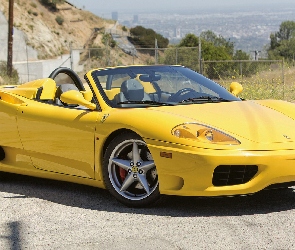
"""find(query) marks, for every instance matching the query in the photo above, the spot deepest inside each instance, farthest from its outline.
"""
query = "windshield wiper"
(147, 102)
(206, 99)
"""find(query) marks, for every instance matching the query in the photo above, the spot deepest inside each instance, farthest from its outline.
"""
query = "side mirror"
(87, 94)
(235, 88)
(76, 97)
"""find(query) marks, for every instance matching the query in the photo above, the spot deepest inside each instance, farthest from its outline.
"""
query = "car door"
(59, 139)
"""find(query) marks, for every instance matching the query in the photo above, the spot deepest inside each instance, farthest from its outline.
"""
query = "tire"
(129, 171)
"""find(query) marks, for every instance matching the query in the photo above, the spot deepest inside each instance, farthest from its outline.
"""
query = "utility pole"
(156, 51)
(200, 55)
(10, 39)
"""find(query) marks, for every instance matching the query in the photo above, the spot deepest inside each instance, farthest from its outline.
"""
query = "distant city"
(249, 29)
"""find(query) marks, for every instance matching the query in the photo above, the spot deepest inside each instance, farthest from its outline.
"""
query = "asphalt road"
(44, 214)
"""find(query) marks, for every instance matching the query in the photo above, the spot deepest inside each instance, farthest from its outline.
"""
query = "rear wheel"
(129, 171)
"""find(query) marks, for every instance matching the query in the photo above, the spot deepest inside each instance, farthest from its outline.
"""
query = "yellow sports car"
(143, 131)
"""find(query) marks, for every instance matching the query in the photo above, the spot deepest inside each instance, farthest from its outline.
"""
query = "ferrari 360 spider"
(144, 131)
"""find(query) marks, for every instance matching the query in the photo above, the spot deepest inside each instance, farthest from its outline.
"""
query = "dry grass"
(274, 83)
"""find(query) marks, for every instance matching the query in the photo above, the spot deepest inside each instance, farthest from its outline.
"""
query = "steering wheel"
(71, 74)
(175, 97)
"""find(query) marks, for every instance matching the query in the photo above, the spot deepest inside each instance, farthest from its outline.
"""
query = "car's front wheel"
(129, 171)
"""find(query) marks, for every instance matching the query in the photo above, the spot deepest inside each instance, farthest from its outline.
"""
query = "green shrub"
(3, 73)
(59, 20)
(33, 5)
(32, 12)
(96, 52)
(108, 40)
(31, 27)
(51, 4)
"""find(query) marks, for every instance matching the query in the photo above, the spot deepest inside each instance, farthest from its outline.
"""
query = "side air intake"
(228, 175)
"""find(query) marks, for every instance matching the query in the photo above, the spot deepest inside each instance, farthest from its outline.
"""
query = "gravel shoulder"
(45, 214)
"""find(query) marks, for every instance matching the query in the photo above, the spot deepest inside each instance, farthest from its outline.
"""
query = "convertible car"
(144, 131)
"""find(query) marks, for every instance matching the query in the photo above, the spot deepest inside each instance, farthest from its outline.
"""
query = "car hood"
(246, 119)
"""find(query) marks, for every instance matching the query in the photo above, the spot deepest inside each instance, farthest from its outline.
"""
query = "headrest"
(133, 90)
(67, 86)
(64, 88)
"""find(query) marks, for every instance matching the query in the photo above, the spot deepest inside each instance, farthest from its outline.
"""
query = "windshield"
(138, 86)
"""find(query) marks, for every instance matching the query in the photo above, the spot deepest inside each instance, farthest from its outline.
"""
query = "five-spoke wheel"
(129, 171)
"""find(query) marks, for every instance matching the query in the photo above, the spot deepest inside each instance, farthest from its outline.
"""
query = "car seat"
(131, 90)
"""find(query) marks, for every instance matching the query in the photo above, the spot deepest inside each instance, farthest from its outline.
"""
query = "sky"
(145, 6)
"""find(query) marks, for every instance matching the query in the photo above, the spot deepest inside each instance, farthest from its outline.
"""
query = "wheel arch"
(113, 135)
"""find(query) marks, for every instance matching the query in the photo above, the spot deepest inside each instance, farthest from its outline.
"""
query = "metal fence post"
(283, 79)
(28, 72)
(200, 55)
(71, 56)
(156, 51)
(241, 70)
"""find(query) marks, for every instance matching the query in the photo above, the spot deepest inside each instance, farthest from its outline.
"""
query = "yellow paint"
(62, 143)
(110, 93)
(235, 88)
(30, 89)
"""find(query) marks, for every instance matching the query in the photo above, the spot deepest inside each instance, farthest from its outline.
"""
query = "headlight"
(203, 133)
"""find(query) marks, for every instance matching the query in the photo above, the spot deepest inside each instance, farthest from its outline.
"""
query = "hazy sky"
(105, 6)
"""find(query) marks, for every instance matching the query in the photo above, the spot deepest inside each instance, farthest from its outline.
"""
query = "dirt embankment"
(52, 32)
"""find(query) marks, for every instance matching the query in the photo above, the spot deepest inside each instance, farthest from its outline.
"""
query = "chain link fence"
(261, 79)
(103, 57)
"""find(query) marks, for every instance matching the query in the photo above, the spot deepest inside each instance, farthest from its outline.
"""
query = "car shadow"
(81, 196)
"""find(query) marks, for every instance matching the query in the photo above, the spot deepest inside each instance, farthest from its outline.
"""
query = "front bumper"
(189, 170)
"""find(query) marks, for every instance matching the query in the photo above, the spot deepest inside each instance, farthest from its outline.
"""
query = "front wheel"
(129, 171)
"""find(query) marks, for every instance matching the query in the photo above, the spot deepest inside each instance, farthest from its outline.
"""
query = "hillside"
(49, 38)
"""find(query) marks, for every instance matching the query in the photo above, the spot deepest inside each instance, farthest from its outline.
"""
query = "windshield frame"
(153, 72)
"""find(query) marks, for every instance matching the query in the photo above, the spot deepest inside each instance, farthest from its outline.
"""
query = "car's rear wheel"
(129, 171)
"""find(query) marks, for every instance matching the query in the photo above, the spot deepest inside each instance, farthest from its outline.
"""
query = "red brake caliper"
(123, 174)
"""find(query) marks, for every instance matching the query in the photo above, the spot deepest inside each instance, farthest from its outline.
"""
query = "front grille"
(227, 175)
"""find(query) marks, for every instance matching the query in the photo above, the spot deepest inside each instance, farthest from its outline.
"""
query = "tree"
(218, 41)
(190, 40)
(146, 38)
(210, 52)
(282, 43)
(241, 55)
(213, 48)
(185, 53)
(216, 50)
(286, 31)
